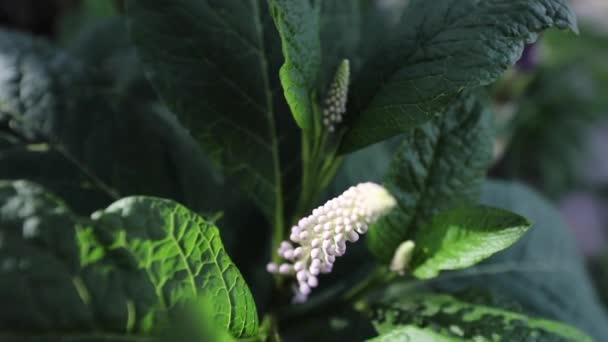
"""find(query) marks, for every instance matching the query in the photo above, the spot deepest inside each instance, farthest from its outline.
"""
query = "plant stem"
(268, 331)
(381, 275)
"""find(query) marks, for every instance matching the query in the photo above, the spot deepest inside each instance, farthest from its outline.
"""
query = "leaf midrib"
(278, 192)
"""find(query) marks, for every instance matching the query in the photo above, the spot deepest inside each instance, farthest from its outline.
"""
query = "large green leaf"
(463, 236)
(208, 61)
(81, 133)
(439, 49)
(460, 320)
(298, 25)
(439, 164)
(58, 281)
(543, 272)
(183, 256)
(65, 278)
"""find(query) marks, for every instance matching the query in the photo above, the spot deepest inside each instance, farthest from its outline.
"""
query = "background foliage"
(174, 116)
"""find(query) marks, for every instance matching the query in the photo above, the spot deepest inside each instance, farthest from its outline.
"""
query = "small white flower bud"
(272, 267)
(315, 252)
(326, 244)
(326, 268)
(304, 288)
(285, 269)
(362, 228)
(298, 266)
(288, 254)
(352, 236)
(338, 237)
(313, 281)
(301, 276)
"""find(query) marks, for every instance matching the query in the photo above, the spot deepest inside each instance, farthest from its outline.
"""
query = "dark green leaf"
(328, 325)
(341, 23)
(461, 237)
(183, 256)
(543, 271)
(298, 25)
(58, 281)
(439, 164)
(459, 320)
(439, 49)
(208, 61)
(106, 45)
(351, 30)
(84, 143)
(413, 333)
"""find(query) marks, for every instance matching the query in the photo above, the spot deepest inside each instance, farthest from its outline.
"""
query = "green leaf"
(341, 24)
(543, 271)
(458, 320)
(120, 147)
(413, 333)
(298, 26)
(214, 71)
(439, 49)
(183, 256)
(194, 322)
(341, 324)
(58, 280)
(438, 165)
(463, 236)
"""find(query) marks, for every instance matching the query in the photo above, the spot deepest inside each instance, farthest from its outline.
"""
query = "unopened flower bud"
(335, 103)
(402, 257)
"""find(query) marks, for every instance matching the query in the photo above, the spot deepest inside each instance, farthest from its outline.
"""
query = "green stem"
(380, 276)
(268, 331)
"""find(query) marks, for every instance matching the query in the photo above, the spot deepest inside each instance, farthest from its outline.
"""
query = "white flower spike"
(335, 103)
(321, 237)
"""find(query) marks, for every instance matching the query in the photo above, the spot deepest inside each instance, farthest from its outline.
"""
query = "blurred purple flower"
(529, 58)
(583, 213)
